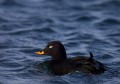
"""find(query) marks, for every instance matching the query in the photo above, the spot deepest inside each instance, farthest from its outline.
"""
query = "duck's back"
(79, 63)
(87, 65)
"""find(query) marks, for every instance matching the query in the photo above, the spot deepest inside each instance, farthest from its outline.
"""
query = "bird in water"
(60, 64)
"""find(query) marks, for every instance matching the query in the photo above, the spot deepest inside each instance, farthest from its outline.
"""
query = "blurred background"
(83, 26)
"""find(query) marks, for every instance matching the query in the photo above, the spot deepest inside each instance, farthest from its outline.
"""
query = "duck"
(60, 64)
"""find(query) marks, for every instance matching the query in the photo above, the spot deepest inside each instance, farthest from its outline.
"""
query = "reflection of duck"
(60, 64)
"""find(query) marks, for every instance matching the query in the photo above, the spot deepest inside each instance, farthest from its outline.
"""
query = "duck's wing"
(80, 60)
(83, 59)
(88, 64)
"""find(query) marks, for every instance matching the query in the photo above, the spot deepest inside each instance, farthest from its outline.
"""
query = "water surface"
(81, 25)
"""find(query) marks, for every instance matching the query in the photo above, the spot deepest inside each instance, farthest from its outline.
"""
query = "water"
(81, 25)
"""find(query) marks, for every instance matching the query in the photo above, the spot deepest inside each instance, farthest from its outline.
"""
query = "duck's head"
(55, 49)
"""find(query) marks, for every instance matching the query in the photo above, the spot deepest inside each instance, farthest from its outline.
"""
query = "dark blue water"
(81, 25)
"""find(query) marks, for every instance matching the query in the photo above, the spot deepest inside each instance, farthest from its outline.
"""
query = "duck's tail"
(91, 56)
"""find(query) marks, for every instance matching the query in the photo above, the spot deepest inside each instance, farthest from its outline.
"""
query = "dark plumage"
(60, 64)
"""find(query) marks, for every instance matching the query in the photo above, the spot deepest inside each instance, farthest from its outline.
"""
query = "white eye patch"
(50, 46)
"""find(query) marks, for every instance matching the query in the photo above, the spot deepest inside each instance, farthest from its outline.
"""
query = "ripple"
(105, 5)
(2, 20)
(107, 56)
(9, 3)
(26, 31)
(109, 22)
(86, 18)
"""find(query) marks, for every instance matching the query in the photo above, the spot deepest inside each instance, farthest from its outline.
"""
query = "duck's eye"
(50, 46)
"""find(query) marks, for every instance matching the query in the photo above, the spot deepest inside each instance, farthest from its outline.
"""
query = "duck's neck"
(59, 58)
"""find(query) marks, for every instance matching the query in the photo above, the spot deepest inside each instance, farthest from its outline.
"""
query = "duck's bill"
(40, 53)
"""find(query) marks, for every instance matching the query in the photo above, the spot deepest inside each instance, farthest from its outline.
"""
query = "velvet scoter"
(60, 64)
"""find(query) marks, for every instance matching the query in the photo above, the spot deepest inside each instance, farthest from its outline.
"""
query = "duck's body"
(60, 64)
(79, 63)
